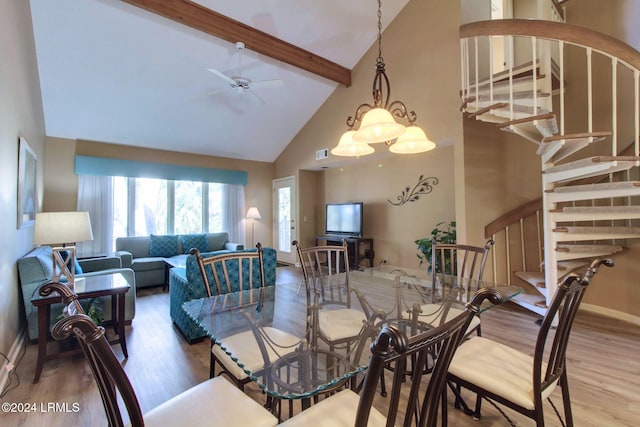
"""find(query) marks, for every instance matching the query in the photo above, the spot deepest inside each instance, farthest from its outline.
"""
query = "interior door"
(284, 217)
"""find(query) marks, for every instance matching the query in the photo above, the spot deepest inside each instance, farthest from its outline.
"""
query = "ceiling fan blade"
(262, 101)
(267, 84)
(222, 76)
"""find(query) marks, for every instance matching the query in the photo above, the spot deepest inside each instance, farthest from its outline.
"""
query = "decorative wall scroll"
(424, 186)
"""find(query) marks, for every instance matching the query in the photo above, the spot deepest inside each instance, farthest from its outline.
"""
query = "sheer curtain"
(95, 195)
(233, 212)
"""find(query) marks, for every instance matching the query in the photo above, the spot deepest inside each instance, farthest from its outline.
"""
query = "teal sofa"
(151, 265)
(35, 269)
(186, 284)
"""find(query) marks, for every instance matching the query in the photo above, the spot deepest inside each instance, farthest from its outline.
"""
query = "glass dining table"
(303, 369)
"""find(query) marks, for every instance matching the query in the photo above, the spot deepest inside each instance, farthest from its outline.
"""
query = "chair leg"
(212, 363)
(443, 401)
(477, 414)
(566, 400)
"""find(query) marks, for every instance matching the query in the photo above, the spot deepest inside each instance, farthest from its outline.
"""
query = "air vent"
(322, 154)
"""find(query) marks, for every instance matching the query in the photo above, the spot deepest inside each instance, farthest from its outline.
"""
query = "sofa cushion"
(198, 241)
(163, 246)
(148, 263)
(217, 241)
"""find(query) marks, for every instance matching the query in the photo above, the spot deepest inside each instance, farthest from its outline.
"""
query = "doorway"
(284, 214)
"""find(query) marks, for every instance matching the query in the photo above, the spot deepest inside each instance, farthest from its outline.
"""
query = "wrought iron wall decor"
(424, 186)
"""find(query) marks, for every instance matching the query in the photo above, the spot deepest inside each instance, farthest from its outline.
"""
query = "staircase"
(589, 184)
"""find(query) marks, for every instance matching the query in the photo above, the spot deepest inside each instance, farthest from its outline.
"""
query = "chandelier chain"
(379, 60)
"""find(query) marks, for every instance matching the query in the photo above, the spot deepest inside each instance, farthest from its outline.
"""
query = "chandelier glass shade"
(348, 147)
(383, 120)
(412, 141)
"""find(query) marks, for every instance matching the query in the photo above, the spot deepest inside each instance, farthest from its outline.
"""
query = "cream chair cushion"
(340, 323)
(215, 401)
(338, 410)
(245, 348)
(497, 368)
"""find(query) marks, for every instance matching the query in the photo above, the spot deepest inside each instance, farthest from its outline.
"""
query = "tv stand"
(358, 248)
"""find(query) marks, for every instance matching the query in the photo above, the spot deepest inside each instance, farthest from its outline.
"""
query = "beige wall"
(61, 188)
(20, 115)
(395, 228)
(421, 52)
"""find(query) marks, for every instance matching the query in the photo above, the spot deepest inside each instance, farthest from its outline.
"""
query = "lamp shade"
(348, 147)
(62, 227)
(378, 125)
(412, 141)
(253, 213)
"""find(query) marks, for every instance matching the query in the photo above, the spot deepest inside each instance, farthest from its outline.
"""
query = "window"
(144, 206)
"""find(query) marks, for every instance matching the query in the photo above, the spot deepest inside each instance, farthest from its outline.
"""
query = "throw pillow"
(76, 265)
(163, 246)
(198, 241)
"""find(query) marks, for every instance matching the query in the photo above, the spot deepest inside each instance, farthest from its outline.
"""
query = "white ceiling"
(112, 72)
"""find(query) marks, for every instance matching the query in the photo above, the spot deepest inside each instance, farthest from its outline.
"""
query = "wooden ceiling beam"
(208, 21)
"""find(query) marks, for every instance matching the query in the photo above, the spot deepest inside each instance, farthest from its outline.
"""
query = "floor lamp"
(62, 230)
(252, 214)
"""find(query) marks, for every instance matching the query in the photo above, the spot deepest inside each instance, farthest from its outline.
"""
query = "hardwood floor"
(603, 366)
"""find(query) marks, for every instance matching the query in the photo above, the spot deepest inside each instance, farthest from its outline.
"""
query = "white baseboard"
(619, 315)
(14, 353)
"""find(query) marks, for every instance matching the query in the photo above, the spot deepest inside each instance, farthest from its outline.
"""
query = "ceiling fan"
(241, 84)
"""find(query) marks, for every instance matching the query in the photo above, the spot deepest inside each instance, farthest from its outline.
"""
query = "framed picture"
(27, 169)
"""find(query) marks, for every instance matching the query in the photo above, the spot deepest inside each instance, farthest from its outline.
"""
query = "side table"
(114, 285)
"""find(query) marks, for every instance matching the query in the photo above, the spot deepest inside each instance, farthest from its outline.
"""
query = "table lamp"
(62, 230)
(253, 213)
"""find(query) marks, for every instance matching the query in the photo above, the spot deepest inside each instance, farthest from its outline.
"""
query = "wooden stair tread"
(593, 213)
(588, 248)
(594, 191)
(566, 251)
(577, 233)
(535, 303)
(534, 278)
(502, 84)
(589, 167)
(558, 147)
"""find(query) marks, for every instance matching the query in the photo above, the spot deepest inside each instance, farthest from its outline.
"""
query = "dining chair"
(464, 265)
(409, 401)
(232, 272)
(516, 379)
(325, 271)
(215, 401)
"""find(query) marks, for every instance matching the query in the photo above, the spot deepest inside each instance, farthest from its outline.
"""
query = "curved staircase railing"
(576, 220)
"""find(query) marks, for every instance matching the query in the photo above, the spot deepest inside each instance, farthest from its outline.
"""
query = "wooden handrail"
(512, 217)
(572, 34)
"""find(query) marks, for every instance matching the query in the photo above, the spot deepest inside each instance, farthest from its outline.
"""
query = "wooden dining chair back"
(231, 271)
(516, 379)
(416, 401)
(325, 272)
(230, 407)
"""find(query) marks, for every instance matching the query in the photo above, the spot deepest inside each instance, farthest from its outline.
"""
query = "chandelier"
(380, 122)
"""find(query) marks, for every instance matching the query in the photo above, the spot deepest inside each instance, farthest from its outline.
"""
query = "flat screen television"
(344, 219)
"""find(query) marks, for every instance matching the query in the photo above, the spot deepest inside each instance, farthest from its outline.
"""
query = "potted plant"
(442, 233)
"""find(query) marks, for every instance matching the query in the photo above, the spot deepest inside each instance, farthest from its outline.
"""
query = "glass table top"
(296, 366)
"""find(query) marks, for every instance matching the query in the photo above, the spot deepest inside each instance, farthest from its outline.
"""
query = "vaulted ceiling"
(135, 72)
